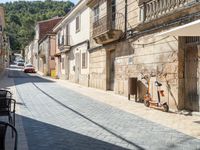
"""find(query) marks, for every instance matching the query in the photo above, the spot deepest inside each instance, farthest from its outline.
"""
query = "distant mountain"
(21, 17)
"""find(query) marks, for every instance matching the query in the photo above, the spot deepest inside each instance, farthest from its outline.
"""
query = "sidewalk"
(9, 84)
(186, 124)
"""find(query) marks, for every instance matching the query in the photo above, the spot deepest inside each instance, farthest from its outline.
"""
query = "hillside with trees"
(21, 17)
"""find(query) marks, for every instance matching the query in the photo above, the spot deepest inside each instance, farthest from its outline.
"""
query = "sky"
(4, 1)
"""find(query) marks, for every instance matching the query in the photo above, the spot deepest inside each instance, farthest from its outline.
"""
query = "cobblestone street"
(54, 117)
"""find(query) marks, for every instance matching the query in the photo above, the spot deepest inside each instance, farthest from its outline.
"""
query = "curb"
(180, 112)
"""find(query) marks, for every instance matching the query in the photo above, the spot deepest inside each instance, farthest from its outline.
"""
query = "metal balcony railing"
(151, 9)
(102, 25)
(64, 43)
(114, 21)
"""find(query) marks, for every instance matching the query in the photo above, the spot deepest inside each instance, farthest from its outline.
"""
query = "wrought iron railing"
(152, 9)
(107, 23)
(65, 43)
(102, 25)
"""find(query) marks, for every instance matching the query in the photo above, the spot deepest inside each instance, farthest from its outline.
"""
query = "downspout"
(125, 25)
(49, 56)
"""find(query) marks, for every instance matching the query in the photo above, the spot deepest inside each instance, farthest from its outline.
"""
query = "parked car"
(29, 69)
(20, 63)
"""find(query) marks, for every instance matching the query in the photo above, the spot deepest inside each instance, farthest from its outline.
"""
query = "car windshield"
(29, 65)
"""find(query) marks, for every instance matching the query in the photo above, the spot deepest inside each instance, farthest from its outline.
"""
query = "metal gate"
(192, 78)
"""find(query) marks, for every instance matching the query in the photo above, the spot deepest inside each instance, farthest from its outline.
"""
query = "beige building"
(42, 28)
(131, 38)
(72, 45)
(2, 40)
(47, 50)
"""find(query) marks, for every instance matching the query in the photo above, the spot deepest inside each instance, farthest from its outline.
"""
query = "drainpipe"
(125, 26)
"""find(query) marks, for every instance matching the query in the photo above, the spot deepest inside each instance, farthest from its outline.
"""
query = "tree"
(21, 17)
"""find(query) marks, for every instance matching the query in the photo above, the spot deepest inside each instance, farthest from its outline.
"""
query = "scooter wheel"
(146, 103)
(165, 107)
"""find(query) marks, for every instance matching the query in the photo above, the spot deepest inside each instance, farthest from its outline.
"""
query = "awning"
(190, 29)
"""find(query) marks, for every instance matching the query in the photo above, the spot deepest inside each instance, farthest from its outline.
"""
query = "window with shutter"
(77, 23)
(96, 13)
(67, 34)
(59, 38)
(84, 60)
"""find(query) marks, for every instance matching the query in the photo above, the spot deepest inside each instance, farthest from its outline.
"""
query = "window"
(141, 14)
(77, 23)
(96, 13)
(113, 8)
(59, 38)
(62, 40)
(67, 35)
(84, 60)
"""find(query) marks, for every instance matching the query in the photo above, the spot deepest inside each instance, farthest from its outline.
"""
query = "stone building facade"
(128, 39)
(47, 50)
(42, 28)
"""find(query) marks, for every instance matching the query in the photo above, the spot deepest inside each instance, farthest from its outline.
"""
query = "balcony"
(160, 11)
(64, 46)
(105, 31)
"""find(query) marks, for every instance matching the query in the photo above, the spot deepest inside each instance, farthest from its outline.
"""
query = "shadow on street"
(43, 136)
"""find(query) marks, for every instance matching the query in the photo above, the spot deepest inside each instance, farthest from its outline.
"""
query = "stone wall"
(151, 53)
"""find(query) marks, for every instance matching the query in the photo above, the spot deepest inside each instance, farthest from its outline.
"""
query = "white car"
(29, 69)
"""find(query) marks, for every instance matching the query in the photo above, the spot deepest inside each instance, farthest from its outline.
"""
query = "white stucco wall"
(84, 33)
(77, 40)
(79, 49)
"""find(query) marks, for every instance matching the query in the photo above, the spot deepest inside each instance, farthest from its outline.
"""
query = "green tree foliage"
(21, 18)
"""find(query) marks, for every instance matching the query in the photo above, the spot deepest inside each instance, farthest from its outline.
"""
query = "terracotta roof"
(143, 1)
(47, 26)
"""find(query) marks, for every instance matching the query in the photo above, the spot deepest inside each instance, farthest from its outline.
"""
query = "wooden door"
(191, 79)
(77, 67)
(112, 69)
(67, 66)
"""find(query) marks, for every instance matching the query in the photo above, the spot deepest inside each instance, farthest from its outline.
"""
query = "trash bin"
(132, 87)
(53, 73)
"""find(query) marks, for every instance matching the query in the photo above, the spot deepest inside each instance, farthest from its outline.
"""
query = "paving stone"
(55, 117)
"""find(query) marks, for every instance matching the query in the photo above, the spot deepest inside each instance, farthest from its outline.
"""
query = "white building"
(72, 44)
